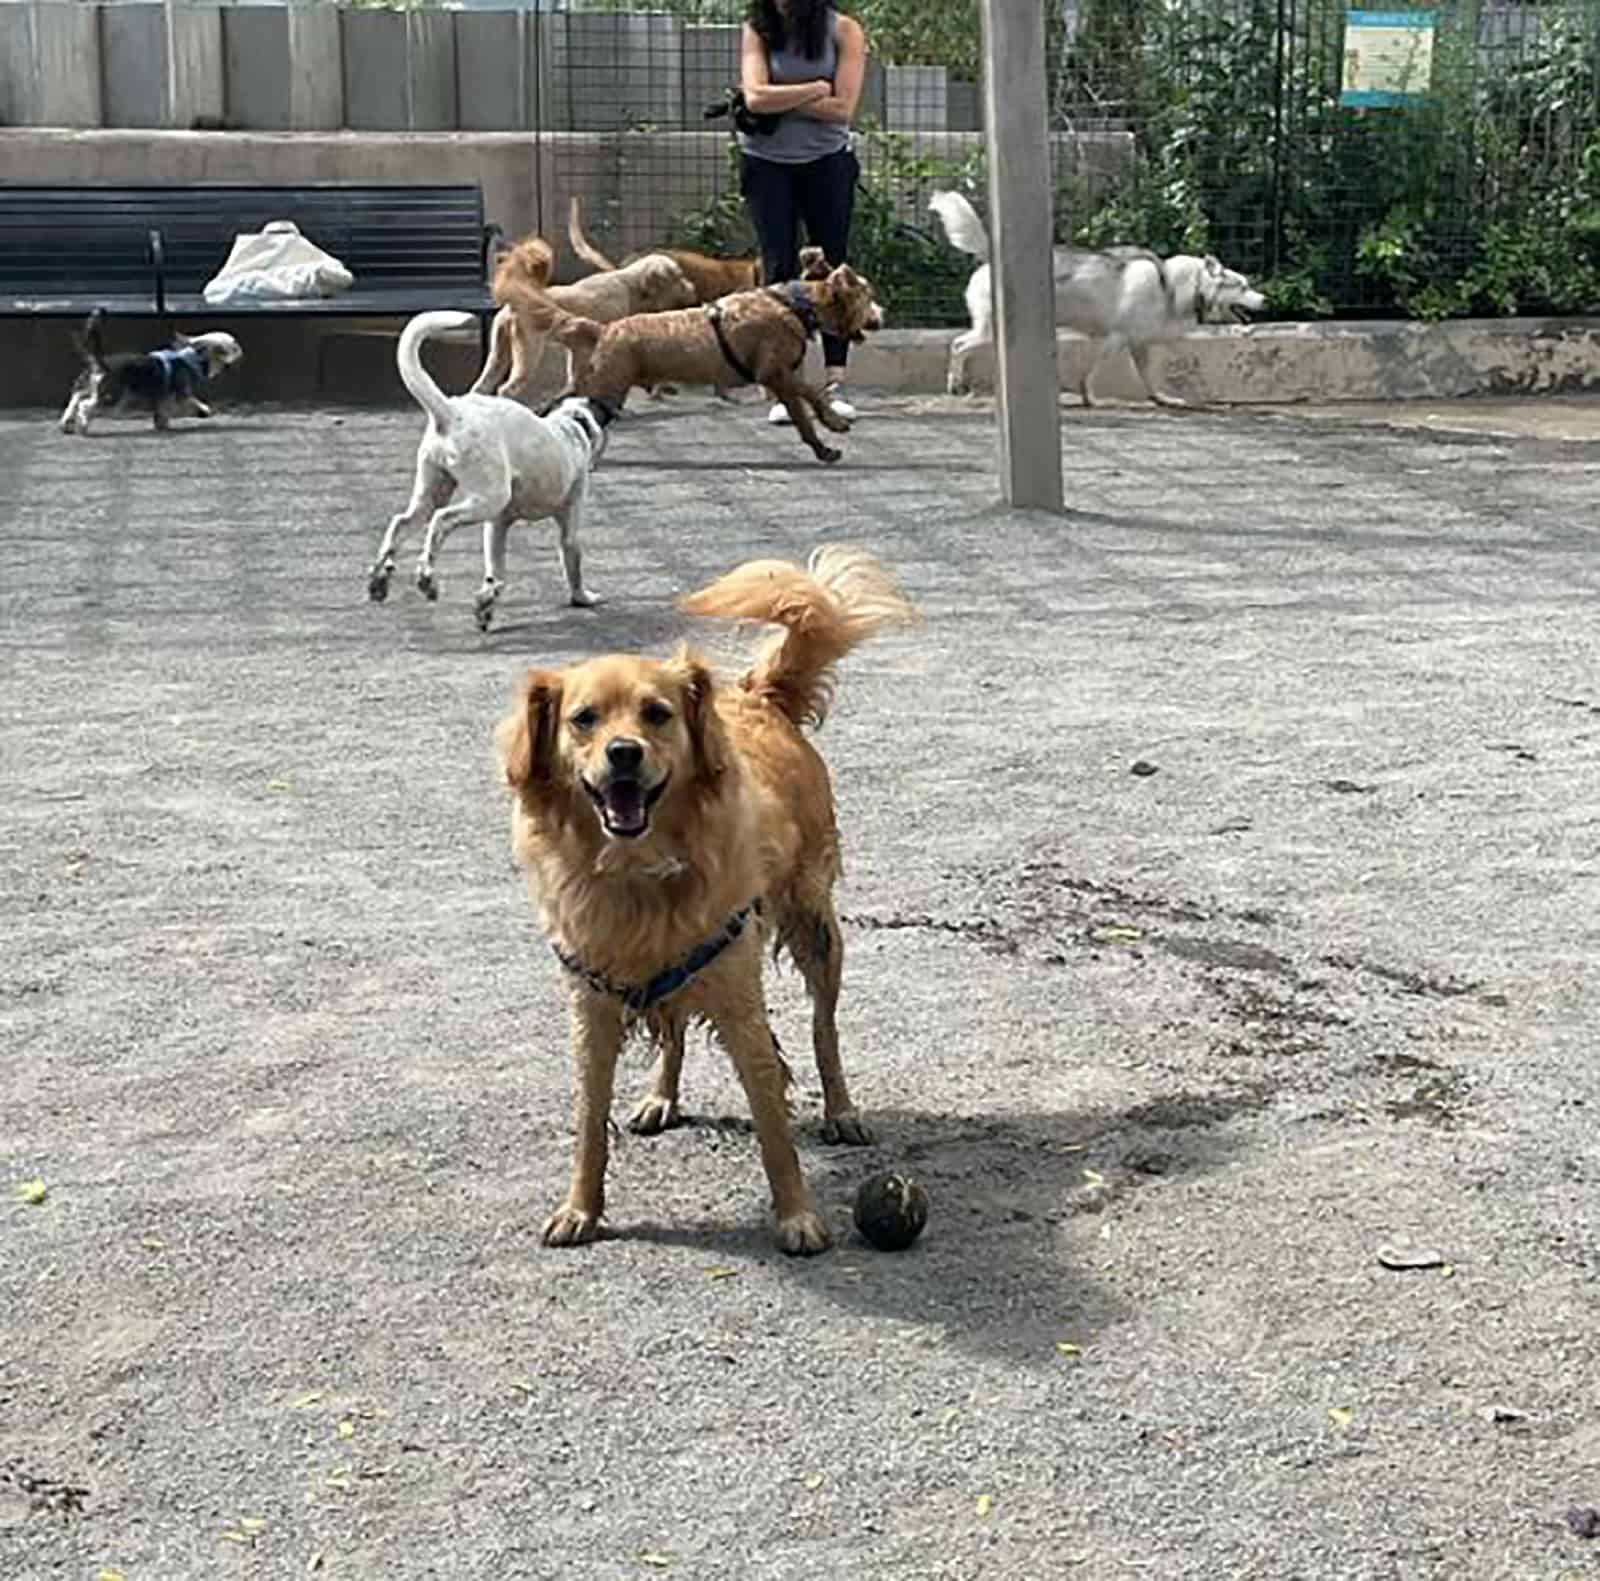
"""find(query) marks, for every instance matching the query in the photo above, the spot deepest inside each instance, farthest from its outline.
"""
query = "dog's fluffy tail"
(961, 223)
(840, 599)
(89, 341)
(581, 244)
(414, 376)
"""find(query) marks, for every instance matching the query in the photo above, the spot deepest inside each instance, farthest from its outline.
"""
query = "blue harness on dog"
(172, 358)
(637, 998)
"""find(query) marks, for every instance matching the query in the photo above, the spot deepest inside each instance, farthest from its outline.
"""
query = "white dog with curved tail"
(1124, 296)
(490, 461)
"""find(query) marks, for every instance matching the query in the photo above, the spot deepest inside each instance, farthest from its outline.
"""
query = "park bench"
(147, 251)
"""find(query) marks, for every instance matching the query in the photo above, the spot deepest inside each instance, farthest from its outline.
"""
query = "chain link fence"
(1224, 126)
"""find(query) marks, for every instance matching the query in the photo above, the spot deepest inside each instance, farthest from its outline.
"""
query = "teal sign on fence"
(1388, 57)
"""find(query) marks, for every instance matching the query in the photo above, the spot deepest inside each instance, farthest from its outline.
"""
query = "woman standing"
(802, 62)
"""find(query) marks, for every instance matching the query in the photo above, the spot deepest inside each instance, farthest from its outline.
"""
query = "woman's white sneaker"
(833, 394)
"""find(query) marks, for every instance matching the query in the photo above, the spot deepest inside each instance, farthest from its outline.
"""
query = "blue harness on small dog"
(637, 998)
(172, 358)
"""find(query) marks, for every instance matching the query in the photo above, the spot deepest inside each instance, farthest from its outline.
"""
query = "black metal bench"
(147, 252)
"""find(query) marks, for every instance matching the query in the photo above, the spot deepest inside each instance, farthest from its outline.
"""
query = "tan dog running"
(673, 828)
(711, 277)
(752, 337)
(650, 284)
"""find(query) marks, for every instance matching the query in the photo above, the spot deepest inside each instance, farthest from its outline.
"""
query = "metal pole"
(1020, 236)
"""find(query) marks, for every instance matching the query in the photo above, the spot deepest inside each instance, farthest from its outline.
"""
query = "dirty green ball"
(891, 1210)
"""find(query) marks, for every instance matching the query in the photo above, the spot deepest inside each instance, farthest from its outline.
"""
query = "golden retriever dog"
(650, 284)
(673, 828)
(751, 337)
(711, 277)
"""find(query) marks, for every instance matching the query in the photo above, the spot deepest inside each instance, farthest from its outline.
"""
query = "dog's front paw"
(827, 454)
(831, 418)
(802, 1234)
(200, 409)
(653, 1115)
(426, 585)
(570, 1226)
(848, 1127)
(483, 606)
(378, 581)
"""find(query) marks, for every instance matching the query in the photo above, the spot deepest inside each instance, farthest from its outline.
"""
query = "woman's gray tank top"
(800, 138)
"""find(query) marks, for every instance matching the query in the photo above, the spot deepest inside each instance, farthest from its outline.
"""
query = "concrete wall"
(1275, 363)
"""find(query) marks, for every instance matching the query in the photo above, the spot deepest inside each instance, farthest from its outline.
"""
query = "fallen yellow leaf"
(814, 1481)
(347, 1428)
(315, 1561)
(651, 1557)
(235, 1537)
(108, 1575)
(984, 1505)
(253, 1524)
(277, 785)
(33, 1192)
(948, 1415)
(306, 1401)
(1341, 1415)
(722, 1273)
(152, 1243)
(1093, 1178)
(1067, 1348)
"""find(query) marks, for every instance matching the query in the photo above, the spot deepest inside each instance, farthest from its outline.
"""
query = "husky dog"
(1125, 296)
(162, 382)
(490, 460)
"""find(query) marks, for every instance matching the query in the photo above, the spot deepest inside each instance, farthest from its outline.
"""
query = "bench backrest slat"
(58, 239)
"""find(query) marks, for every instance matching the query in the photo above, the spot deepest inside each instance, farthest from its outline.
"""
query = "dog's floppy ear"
(697, 690)
(813, 264)
(526, 738)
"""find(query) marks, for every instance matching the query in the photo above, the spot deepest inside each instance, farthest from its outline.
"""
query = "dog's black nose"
(624, 755)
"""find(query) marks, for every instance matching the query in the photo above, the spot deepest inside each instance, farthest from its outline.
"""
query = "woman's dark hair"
(804, 30)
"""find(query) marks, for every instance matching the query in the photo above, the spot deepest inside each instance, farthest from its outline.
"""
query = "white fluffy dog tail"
(414, 376)
(961, 223)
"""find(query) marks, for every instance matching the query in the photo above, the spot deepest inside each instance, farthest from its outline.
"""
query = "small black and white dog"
(162, 382)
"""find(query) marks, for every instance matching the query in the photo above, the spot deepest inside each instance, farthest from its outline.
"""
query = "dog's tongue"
(625, 806)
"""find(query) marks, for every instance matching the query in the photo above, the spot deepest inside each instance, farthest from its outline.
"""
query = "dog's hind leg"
(458, 513)
(69, 418)
(430, 491)
(1141, 362)
(195, 407)
(658, 1109)
(494, 571)
(161, 414)
(816, 945)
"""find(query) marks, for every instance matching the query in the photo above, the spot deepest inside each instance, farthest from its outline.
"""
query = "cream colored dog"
(651, 284)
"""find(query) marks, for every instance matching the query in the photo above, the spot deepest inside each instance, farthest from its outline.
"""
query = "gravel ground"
(1221, 914)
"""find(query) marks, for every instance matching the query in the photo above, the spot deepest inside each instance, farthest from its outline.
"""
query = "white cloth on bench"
(276, 263)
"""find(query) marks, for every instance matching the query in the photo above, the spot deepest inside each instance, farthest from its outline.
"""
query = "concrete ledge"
(353, 361)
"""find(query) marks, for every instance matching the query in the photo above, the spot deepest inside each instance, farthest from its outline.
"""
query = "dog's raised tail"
(89, 340)
(839, 600)
(581, 244)
(414, 376)
(961, 223)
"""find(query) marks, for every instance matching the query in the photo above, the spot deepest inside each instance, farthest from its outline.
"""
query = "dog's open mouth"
(624, 805)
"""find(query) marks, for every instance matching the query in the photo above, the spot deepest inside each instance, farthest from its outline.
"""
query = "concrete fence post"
(1021, 202)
